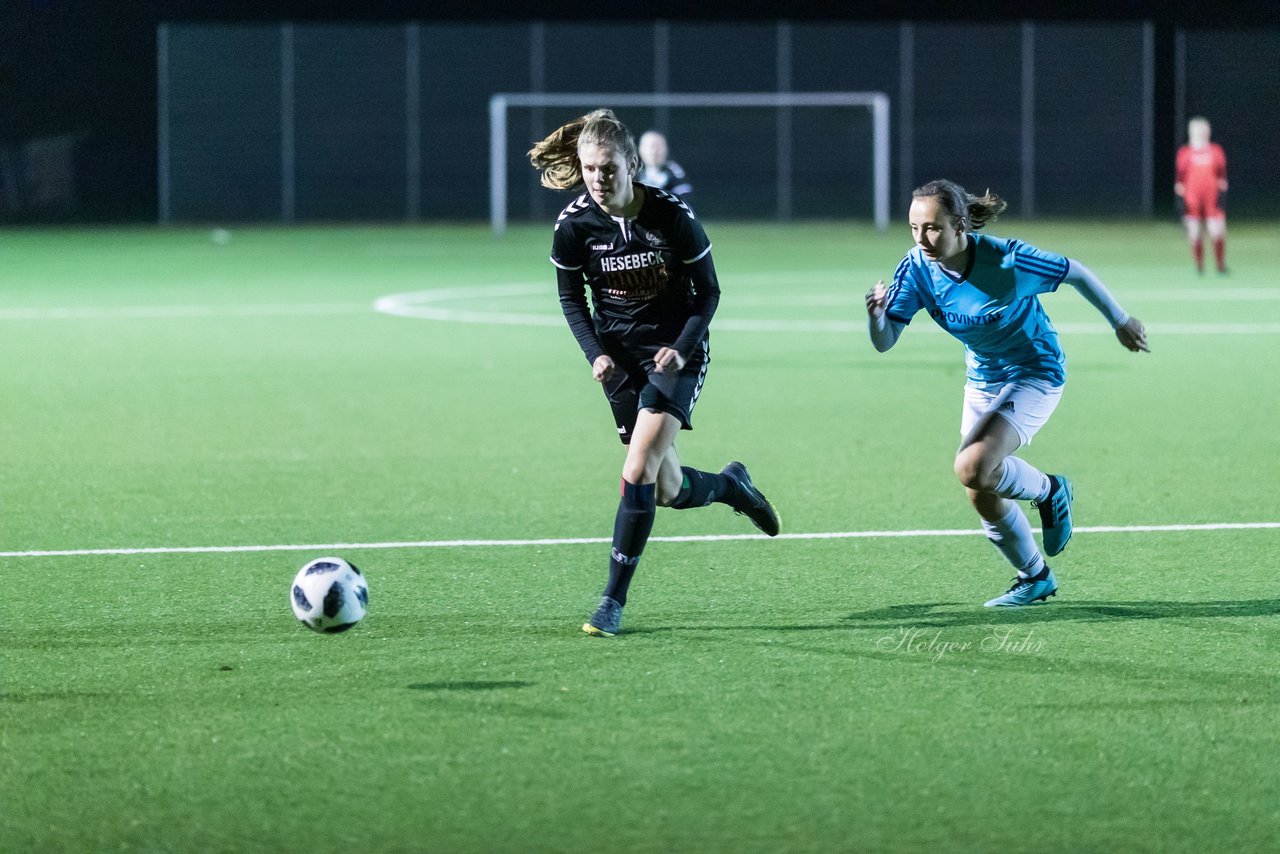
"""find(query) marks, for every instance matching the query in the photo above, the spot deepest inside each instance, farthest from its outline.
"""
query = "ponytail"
(556, 157)
(973, 212)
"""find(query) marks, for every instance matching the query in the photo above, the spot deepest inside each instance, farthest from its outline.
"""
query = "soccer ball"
(329, 595)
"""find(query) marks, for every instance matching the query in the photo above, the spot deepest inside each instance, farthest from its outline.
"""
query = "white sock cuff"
(1021, 481)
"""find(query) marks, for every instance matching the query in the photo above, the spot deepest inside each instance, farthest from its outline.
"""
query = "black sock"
(1039, 576)
(631, 529)
(701, 488)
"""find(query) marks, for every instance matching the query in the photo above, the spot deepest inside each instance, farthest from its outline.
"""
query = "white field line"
(852, 284)
(432, 305)
(1206, 297)
(435, 304)
(854, 297)
(170, 312)
(577, 541)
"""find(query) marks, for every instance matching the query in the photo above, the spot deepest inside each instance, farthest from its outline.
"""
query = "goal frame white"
(499, 104)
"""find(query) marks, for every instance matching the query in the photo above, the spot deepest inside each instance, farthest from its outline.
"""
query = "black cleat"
(750, 502)
(607, 620)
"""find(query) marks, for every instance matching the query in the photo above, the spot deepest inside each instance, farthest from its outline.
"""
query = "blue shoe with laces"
(1027, 591)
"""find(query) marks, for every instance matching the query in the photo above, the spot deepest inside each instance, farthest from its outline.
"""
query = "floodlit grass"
(164, 390)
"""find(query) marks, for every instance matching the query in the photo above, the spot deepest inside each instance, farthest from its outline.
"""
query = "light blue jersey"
(993, 308)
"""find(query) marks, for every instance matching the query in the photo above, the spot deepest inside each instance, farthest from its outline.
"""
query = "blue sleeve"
(1038, 271)
(903, 300)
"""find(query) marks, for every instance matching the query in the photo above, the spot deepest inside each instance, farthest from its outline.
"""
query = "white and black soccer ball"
(329, 595)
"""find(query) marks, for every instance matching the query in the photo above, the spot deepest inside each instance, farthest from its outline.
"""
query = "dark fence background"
(386, 120)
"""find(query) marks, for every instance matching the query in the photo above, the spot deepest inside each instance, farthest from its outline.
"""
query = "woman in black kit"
(647, 262)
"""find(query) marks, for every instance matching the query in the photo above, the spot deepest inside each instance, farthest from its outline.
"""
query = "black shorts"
(634, 386)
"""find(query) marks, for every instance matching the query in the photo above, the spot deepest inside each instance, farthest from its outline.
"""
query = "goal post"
(500, 104)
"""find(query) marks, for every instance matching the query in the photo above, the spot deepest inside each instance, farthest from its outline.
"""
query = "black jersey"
(651, 280)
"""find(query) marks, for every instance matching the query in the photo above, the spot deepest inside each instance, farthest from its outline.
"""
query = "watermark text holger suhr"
(930, 642)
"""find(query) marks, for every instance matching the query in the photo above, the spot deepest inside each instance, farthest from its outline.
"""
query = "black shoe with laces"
(607, 620)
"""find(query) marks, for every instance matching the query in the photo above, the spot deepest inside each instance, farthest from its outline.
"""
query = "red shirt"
(1200, 169)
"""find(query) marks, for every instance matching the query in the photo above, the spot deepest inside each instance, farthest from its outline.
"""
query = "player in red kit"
(1202, 175)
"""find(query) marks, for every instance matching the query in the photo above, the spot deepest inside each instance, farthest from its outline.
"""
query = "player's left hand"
(667, 358)
(1133, 335)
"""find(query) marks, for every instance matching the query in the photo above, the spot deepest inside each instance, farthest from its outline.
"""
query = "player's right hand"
(602, 369)
(876, 299)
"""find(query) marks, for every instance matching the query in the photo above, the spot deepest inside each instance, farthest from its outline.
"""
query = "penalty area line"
(576, 541)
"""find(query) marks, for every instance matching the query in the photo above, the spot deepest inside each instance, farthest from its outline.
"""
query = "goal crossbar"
(876, 102)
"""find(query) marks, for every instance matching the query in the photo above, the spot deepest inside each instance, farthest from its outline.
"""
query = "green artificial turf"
(166, 390)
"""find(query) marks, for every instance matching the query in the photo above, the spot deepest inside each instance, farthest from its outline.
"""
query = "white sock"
(1012, 537)
(1021, 480)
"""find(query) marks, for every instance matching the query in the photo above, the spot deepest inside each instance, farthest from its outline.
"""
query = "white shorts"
(1025, 404)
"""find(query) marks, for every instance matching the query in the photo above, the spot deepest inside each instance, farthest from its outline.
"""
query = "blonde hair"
(556, 157)
(1199, 130)
(973, 212)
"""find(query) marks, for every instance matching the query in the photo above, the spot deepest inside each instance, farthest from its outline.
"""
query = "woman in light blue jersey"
(985, 291)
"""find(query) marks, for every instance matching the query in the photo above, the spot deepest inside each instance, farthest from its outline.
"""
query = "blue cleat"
(751, 501)
(1055, 515)
(1027, 591)
(607, 620)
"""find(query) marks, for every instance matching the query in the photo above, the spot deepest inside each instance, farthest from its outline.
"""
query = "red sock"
(1197, 252)
(1220, 253)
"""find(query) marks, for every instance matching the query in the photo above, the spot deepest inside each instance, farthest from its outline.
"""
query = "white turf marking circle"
(441, 304)
(576, 541)
(430, 305)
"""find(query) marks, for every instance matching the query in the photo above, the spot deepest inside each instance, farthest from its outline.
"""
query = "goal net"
(749, 155)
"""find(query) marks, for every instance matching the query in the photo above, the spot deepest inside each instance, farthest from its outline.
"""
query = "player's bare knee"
(972, 471)
(641, 466)
(633, 470)
(967, 469)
